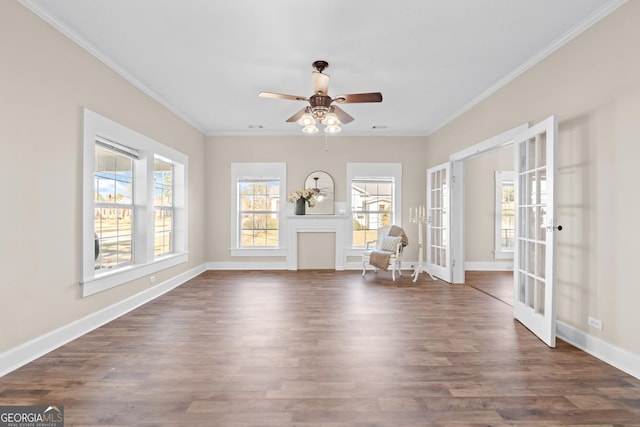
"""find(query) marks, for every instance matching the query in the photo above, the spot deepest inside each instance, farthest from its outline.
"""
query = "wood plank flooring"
(498, 284)
(323, 348)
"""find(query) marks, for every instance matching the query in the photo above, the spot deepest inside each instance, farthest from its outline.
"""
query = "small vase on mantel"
(300, 206)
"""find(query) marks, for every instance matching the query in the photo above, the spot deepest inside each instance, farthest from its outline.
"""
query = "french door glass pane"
(541, 232)
(530, 298)
(532, 186)
(531, 258)
(542, 150)
(522, 286)
(540, 261)
(540, 289)
(531, 147)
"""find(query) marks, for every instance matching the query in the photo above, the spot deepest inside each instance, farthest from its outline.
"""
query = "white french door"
(534, 258)
(438, 240)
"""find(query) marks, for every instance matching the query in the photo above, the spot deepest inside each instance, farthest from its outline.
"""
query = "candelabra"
(418, 216)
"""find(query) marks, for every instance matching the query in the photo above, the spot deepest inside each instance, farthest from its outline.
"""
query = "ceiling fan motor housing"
(320, 105)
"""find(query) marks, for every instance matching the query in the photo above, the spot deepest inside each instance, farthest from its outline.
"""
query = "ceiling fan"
(321, 106)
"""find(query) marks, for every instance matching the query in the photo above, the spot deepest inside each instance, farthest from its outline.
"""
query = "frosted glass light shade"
(310, 129)
(330, 119)
(332, 129)
(306, 120)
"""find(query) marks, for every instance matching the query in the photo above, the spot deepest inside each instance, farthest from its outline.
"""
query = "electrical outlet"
(152, 279)
(596, 323)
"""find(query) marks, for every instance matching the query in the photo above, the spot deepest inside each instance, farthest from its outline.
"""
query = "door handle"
(550, 226)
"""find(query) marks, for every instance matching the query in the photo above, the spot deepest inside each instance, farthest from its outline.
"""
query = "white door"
(534, 258)
(438, 220)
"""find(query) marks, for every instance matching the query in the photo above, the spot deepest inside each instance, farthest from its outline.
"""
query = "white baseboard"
(16, 357)
(615, 356)
(489, 266)
(247, 265)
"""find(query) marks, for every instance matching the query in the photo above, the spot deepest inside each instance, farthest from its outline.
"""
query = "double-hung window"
(257, 208)
(134, 205)
(163, 206)
(504, 215)
(374, 199)
(259, 212)
(113, 205)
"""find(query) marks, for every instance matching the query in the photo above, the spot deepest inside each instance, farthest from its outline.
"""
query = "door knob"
(551, 228)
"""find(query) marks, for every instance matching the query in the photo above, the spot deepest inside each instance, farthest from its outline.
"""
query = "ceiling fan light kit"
(321, 108)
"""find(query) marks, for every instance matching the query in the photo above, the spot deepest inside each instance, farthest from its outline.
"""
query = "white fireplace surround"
(316, 224)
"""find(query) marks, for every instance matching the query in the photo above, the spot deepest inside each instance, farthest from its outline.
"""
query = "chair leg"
(364, 267)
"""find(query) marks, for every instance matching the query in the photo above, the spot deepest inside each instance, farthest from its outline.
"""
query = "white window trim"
(97, 126)
(373, 171)
(500, 178)
(258, 170)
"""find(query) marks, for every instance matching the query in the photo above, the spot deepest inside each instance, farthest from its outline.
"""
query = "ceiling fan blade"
(297, 115)
(355, 98)
(342, 115)
(320, 83)
(282, 96)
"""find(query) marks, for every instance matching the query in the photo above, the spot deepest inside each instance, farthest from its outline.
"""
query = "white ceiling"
(207, 60)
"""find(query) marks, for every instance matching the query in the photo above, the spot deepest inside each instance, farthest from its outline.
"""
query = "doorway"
(535, 209)
(458, 205)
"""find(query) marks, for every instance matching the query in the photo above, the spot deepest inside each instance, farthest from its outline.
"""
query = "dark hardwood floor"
(497, 284)
(323, 348)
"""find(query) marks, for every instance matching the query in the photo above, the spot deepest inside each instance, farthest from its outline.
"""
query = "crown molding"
(45, 15)
(585, 24)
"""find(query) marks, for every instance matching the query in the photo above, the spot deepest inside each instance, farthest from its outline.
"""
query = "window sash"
(163, 234)
(163, 196)
(258, 228)
(367, 220)
(114, 225)
(504, 216)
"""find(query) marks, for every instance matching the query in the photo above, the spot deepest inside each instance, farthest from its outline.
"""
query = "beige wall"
(593, 86)
(303, 155)
(479, 203)
(45, 81)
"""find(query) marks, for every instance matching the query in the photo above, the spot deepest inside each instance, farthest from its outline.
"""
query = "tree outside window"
(163, 207)
(259, 206)
(113, 208)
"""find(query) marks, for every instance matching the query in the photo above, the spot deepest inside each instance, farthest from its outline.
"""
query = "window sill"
(102, 282)
(261, 252)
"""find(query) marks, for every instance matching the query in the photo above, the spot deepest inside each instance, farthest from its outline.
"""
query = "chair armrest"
(370, 242)
(399, 249)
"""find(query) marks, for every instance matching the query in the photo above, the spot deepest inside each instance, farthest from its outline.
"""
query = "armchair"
(387, 251)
